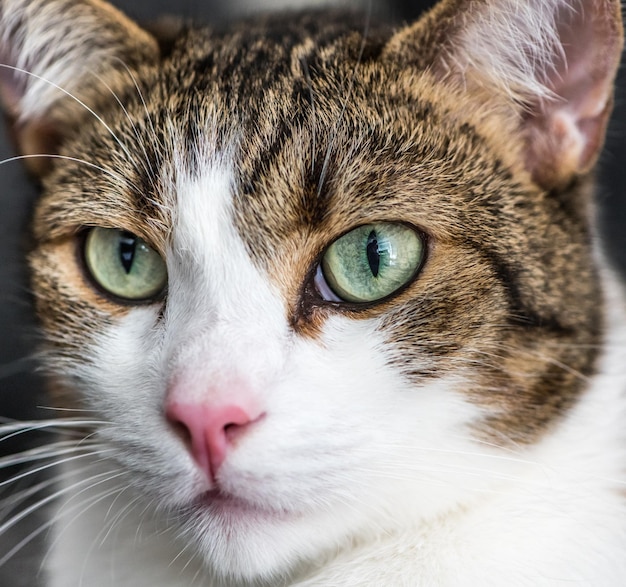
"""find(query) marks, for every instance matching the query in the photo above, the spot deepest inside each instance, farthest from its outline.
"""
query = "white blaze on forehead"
(224, 316)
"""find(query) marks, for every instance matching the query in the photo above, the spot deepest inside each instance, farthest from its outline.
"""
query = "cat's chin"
(250, 542)
(242, 540)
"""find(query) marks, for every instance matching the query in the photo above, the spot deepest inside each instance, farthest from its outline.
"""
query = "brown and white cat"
(330, 297)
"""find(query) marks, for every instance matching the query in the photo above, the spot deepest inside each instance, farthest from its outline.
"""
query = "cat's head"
(308, 272)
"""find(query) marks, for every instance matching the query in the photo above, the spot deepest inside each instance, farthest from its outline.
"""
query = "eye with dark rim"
(370, 263)
(123, 265)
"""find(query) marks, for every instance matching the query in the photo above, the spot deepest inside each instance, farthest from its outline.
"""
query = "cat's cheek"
(126, 350)
(123, 383)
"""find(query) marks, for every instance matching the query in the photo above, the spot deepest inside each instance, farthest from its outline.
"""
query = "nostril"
(181, 431)
(233, 430)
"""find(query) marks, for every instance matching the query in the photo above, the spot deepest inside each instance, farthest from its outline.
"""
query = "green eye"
(371, 262)
(124, 265)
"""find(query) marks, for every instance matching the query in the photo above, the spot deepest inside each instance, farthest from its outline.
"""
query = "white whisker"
(155, 136)
(76, 99)
(48, 499)
(115, 176)
(147, 166)
(82, 454)
(60, 519)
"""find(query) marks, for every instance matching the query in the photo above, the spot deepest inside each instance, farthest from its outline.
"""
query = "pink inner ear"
(565, 134)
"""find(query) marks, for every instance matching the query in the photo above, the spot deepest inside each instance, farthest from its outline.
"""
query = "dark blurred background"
(21, 387)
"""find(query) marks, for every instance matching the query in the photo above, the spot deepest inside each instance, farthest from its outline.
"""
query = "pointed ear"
(553, 61)
(51, 53)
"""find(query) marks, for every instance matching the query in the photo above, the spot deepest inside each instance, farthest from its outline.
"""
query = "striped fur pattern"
(465, 430)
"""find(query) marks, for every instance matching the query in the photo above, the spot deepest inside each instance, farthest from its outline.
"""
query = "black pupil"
(128, 242)
(373, 255)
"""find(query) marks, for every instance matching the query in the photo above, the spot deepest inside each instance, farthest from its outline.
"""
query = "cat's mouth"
(219, 502)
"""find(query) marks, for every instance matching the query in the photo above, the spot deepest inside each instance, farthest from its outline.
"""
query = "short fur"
(467, 430)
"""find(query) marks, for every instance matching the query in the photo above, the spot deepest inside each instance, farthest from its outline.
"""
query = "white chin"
(241, 542)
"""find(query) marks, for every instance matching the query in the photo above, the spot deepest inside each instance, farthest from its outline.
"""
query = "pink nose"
(209, 430)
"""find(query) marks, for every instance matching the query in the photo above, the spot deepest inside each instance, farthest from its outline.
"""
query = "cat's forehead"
(322, 133)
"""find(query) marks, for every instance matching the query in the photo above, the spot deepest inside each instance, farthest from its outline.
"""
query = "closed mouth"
(231, 509)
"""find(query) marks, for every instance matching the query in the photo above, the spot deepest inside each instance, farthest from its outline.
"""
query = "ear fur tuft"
(509, 45)
(50, 50)
(552, 61)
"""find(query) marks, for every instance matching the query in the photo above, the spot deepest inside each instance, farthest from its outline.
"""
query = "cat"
(324, 298)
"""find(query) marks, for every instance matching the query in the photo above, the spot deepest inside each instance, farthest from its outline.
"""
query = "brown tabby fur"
(495, 291)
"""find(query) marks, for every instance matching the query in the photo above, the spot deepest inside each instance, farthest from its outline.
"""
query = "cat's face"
(326, 276)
